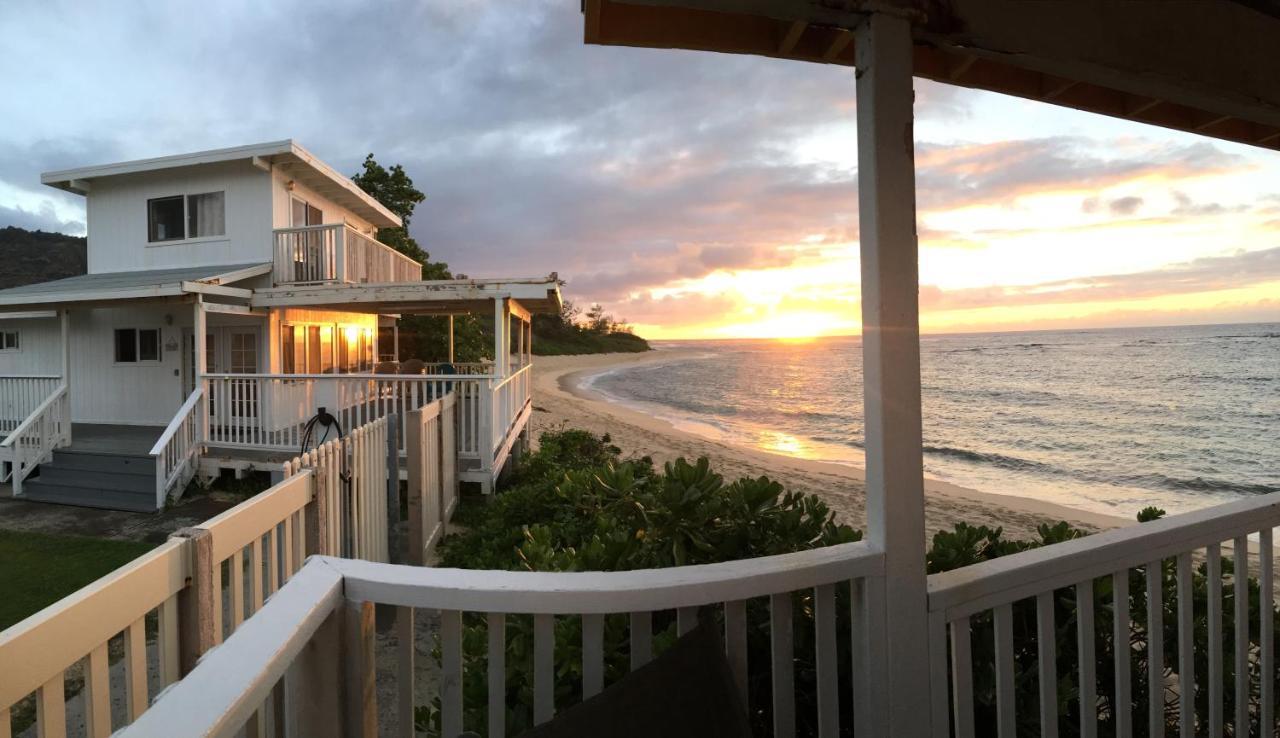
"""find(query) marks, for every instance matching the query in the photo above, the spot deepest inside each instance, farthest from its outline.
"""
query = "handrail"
(177, 421)
(981, 586)
(528, 592)
(381, 377)
(34, 416)
(232, 681)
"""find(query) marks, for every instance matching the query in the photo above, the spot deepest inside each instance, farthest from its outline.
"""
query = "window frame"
(187, 238)
(137, 347)
(17, 341)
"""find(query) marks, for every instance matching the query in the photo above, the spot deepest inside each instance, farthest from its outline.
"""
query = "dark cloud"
(1127, 205)
(1189, 208)
(45, 219)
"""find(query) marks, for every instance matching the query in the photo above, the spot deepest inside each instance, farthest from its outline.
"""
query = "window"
(135, 345)
(305, 214)
(186, 216)
(9, 341)
(164, 219)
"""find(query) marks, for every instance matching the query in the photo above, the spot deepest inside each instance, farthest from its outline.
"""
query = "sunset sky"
(696, 195)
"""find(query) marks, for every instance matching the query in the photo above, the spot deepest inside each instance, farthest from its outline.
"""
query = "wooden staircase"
(106, 467)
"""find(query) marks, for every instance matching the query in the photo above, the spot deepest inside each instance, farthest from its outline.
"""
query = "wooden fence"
(433, 475)
(203, 585)
(352, 476)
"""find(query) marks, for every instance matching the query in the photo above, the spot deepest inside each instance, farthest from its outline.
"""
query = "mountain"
(39, 256)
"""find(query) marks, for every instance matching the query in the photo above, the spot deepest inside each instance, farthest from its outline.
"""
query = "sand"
(560, 400)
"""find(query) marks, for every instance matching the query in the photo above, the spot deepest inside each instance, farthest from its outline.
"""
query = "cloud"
(44, 219)
(1187, 207)
(1207, 274)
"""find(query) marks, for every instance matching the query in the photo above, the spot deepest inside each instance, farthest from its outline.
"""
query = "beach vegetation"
(577, 504)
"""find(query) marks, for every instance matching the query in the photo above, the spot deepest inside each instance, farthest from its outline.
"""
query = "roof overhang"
(286, 156)
(110, 288)
(445, 297)
(1206, 67)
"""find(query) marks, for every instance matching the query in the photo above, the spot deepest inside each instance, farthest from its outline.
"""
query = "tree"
(394, 189)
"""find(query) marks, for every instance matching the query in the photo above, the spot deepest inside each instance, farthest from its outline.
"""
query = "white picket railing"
(21, 394)
(31, 443)
(352, 478)
(177, 451)
(432, 475)
(337, 252)
(231, 683)
(986, 598)
(511, 399)
(270, 411)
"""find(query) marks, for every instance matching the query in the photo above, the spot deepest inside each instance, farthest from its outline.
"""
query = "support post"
(196, 600)
(395, 340)
(451, 359)
(393, 489)
(65, 324)
(361, 713)
(199, 333)
(314, 682)
(316, 515)
(891, 372)
(500, 341)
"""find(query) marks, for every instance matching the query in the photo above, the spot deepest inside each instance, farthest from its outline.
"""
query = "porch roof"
(440, 297)
(1209, 67)
(112, 286)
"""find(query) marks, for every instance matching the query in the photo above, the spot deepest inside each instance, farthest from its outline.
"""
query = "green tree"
(394, 189)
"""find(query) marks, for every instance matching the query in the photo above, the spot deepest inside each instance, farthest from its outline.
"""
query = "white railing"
(351, 478)
(1014, 606)
(511, 398)
(432, 475)
(20, 395)
(31, 443)
(270, 411)
(337, 253)
(301, 627)
(177, 451)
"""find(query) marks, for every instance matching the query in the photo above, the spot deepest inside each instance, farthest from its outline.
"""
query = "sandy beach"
(560, 400)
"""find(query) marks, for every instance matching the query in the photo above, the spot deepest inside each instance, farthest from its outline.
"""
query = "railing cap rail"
(35, 415)
(177, 421)
(605, 592)
(387, 377)
(981, 586)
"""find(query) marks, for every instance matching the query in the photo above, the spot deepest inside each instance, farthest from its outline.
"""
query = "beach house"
(230, 295)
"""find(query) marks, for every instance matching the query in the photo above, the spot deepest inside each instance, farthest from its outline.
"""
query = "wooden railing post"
(393, 489)
(197, 600)
(313, 683)
(359, 701)
(417, 505)
(316, 514)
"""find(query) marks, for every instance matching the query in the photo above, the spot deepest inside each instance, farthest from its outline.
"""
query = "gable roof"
(134, 285)
(286, 155)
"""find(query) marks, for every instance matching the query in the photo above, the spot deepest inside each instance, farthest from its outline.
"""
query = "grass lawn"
(38, 569)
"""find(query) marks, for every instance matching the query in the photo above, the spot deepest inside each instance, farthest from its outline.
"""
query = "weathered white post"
(897, 635)
(201, 351)
(65, 324)
(451, 359)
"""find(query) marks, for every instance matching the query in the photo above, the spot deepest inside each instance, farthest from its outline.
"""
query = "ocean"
(1107, 420)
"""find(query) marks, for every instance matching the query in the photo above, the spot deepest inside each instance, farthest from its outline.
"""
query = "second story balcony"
(337, 253)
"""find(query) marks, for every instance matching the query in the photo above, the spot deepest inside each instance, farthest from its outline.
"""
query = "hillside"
(39, 256)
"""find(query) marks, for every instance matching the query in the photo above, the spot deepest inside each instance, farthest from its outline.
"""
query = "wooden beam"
(220, 307)
(898, 631)
(961, 67)
(261, 163)
(1057, 86)
(1143, 106)
(790, 40)
(1211, 122)
(838, 45)
(79, 185)
(1274, 135)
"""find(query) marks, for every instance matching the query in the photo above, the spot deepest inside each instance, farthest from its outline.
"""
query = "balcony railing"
(338, 253)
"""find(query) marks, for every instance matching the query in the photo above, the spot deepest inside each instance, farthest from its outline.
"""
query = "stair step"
(36, 491)
(99, 479)
(94, 461)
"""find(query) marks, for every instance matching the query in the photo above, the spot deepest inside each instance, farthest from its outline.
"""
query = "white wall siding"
(103, 391)
(117, 218)
(281, 195)
(40, 347)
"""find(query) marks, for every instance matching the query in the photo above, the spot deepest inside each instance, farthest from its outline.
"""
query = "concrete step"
(137, 480)
(34, 490)
(94, 461)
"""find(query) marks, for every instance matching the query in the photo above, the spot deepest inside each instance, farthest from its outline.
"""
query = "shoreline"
(560, 398)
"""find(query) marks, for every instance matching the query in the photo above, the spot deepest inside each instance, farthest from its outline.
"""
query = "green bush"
(577, 505)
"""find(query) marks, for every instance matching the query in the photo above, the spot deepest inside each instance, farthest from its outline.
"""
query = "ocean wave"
(989, 458)
(1199, 484)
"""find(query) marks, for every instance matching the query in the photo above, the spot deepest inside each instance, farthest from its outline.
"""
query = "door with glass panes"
(228, 350)
(311, 258)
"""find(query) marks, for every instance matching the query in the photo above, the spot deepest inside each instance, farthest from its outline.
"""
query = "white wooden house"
(271, 256)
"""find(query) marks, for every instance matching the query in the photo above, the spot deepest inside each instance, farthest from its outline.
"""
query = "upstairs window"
(186, 216)
(134, 345)
(9, 341)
